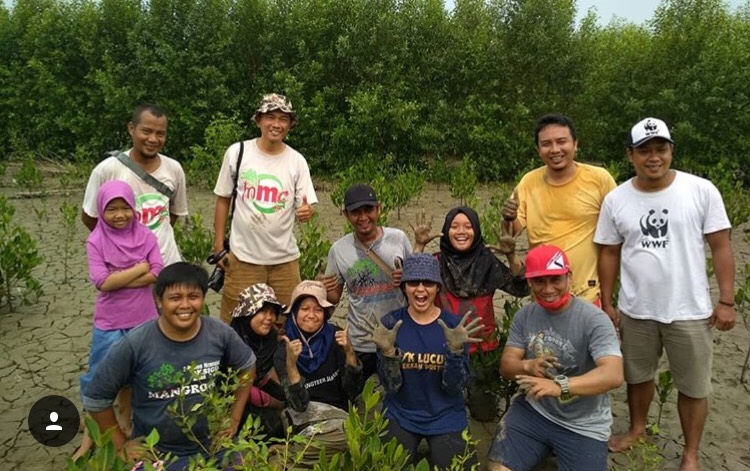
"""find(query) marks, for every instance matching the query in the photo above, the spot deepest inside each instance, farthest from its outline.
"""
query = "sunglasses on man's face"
(416, 283)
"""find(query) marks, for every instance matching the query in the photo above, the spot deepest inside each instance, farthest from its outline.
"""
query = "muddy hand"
(383, 337)
(506, 241)
(396, 274)
(462, 333)
(540, 367)
(422, 230)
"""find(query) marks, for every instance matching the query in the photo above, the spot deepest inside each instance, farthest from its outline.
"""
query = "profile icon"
(53, 426)
(53, 421)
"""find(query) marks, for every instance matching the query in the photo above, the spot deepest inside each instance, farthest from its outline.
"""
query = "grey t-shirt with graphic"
(371, 292)
(157, 369)
(577, 337)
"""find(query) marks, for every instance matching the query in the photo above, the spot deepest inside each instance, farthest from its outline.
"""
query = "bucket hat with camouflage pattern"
(273, 102)
(253, 298)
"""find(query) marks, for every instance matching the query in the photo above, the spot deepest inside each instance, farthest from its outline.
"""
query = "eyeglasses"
(425, 283)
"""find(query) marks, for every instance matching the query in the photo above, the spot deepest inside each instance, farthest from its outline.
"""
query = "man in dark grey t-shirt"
(177, 354)
(564, 352)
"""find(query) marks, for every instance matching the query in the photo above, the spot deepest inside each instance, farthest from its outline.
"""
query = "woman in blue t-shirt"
(423, 365)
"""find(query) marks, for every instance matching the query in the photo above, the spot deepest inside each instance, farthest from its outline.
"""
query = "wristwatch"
(562, 381)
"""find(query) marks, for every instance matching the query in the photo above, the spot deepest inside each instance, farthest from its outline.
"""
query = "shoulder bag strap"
(143, 175)
(374, 257)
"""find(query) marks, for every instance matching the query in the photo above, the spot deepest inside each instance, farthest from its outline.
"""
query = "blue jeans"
(526, 437)
(101, 341)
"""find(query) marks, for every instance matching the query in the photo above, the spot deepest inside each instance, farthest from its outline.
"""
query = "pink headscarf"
(120, 248)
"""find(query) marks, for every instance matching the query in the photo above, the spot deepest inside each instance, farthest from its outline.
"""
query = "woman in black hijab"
(253, 319)
(471, 273)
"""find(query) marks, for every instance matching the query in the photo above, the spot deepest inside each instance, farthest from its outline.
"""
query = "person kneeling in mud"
(253, 319)
(319, 371)
(564, 353)
(423, 364)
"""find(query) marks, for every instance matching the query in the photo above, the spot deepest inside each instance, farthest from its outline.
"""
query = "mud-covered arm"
(389, 370)
(295, 392)
(455, 373)
(352, 380)
(515, 285)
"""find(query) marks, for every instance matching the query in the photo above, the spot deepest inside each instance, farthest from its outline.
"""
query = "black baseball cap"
(359, 195)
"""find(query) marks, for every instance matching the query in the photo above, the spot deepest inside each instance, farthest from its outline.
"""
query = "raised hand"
(293, 349)
(422, 231)
(383, 337)
(305, 211)
(462, 333)
(510, 207)
(342, 338)
(506, 240)
(396, 274)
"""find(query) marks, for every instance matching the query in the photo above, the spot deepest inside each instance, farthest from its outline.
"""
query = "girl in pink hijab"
(124, 260)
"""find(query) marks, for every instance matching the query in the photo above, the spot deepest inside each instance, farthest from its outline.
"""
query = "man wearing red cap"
(565, 354)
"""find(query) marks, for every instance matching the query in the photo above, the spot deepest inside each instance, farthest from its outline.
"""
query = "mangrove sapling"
(69, 213)
(19, 256)
(194, 240)
(463, 183)
(405, 186)
(314, 247)
(644, 456)
(30, 179)
(742, 302)
(664, 387)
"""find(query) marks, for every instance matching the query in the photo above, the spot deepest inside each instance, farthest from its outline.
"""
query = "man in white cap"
(271, 187)
(652, 230)
(565, 354)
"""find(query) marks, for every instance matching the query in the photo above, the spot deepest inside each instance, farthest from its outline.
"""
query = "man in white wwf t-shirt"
(653, 228)
(273, 188)
(148, 130)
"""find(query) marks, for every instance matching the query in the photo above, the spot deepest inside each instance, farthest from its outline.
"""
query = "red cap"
(546, 260)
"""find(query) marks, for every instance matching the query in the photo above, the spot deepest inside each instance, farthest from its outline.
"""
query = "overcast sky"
(636, 11)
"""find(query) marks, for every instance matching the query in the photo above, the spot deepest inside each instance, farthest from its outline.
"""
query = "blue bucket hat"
(421, 267)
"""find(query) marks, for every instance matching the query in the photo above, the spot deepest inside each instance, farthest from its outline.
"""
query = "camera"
(216, 280)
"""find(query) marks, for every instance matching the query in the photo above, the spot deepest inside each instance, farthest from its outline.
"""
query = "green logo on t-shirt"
(152, 210)
(265, 191)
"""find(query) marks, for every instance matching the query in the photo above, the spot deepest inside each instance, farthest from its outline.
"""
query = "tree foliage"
(406, 79)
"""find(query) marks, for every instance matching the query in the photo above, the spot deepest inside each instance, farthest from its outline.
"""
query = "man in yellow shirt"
(558, 203)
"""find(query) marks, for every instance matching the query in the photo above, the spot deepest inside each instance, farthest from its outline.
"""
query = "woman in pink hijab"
(124, 260)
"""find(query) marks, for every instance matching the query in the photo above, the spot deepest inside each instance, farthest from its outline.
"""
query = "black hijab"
(264, 346)
(475, 271)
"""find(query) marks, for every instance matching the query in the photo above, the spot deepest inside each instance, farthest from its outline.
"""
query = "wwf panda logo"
(650, 126)
(655, 224)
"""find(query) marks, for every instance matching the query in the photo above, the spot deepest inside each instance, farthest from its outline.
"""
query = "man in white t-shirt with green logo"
(273, 188)
(148, 130)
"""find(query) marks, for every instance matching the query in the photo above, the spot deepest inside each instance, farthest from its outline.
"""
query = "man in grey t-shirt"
(355, 261)
(564, 352)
